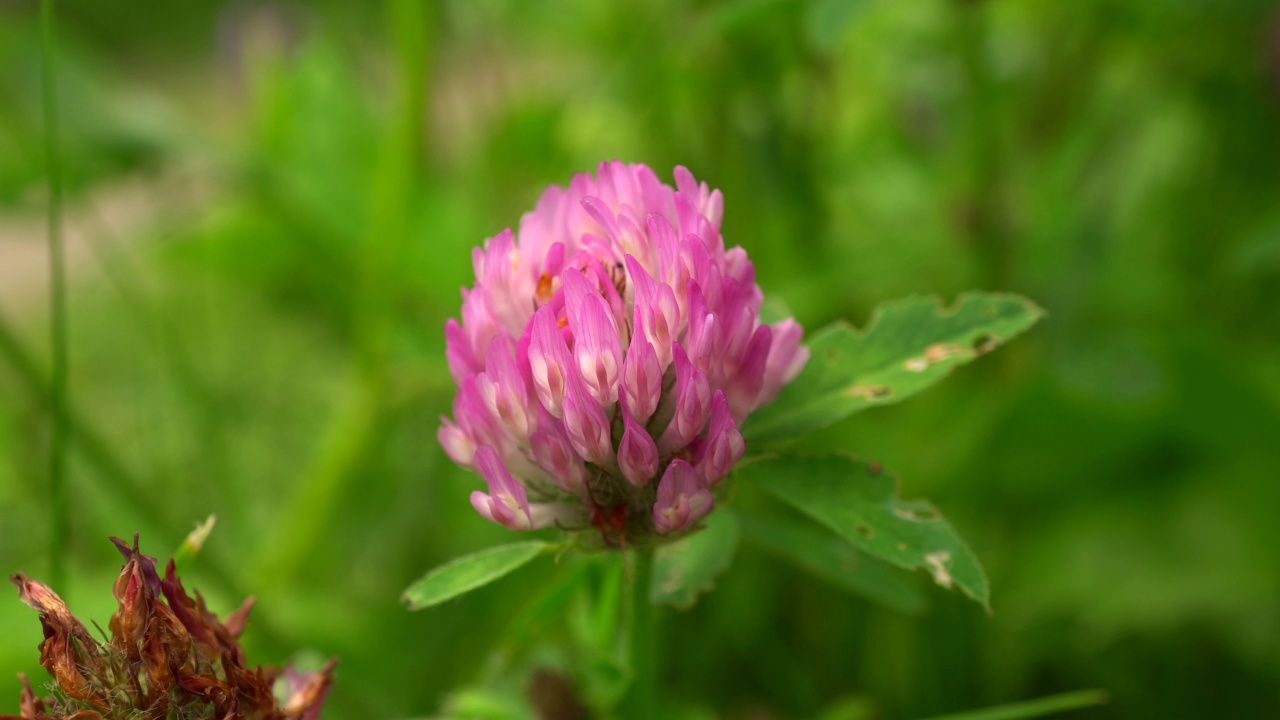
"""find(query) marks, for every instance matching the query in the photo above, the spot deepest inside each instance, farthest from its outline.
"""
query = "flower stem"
(60, 520)
(638, 703)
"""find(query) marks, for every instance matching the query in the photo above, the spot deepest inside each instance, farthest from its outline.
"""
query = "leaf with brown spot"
(907, 346)
(864, 509)
(834, 559)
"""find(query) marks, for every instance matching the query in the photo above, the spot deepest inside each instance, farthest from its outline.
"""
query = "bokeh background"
(270, 211)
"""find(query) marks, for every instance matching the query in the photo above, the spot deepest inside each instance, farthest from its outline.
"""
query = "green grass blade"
(1033, 708)
(60, 520)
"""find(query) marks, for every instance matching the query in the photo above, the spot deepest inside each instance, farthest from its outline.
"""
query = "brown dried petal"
(145, 629)
(307, 692)
(168, 655)
(209, 689)
(68, 652)
(254, 687)
(238, 620)
(137, 591)
(32, 705)
(204, 627)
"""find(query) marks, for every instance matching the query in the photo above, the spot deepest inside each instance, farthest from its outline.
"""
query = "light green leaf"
(193, 543)
(860, 503)
(907, 346)
(688, 567)
(481, 703)
(1033, 708)
(469, 572)
(835, 560)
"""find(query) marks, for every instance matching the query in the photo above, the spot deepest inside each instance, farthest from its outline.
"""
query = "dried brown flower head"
(168, 658)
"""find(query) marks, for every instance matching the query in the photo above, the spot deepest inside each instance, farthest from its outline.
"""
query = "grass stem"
(60, 520)
(1034, 708)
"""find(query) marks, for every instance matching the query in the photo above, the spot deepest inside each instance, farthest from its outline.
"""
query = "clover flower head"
(607, 356)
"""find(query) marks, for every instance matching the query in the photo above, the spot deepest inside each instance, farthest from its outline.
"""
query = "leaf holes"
(935, 353)
(918, 514)
(937, 562)
(869, 392)
(984, 343)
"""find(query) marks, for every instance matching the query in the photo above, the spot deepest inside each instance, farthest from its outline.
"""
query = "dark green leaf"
(688, 567)
(834, 560)
(908, 345)
(860, 503)
(469, 572)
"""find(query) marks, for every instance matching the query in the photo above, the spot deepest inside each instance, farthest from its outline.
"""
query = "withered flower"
(168, 657)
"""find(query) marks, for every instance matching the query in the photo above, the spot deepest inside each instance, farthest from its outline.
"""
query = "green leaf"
(908, 345)
(483, 703)
(193, 543)
(835, 560)
(1033, 708)
(688, 567)
(549, 604)
(860, 503)
(469, 572)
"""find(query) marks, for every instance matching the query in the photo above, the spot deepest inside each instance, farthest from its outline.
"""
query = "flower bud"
(507, 502)
(656, 313)
(641, 378)
(723, 447)
(596, 346)
(637, 452)
(553, 452)
(586, 424)
(503, 389)
(692, 401)
(787, 358)
(548, 360)
(681, 501)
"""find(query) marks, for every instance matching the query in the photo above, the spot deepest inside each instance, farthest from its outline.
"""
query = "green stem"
(638, 704)
(60, 526)
(987, 228)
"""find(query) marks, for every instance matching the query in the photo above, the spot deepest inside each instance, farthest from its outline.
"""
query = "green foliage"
(907, 346)
(833, 559)
(469, 572)
(688, 567)
(1111, 160)
(859, 502)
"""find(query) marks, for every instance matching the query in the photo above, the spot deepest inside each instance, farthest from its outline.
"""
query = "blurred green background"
(270, 210)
